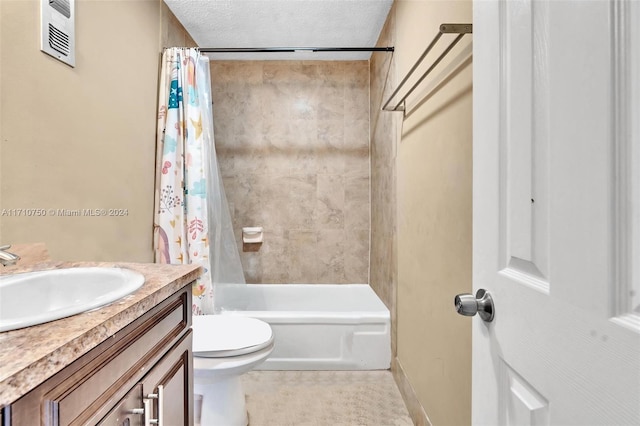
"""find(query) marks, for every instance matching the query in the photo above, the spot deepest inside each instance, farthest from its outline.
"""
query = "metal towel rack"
(460, 29)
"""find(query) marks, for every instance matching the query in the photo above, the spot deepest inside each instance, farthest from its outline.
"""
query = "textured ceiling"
(283, 23)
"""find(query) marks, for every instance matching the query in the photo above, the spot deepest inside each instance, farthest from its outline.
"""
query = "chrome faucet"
(7, 258)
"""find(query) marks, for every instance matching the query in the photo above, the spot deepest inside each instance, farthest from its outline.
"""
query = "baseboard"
(416, 411)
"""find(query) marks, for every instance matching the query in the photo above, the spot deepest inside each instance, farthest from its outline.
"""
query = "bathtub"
(317, 326)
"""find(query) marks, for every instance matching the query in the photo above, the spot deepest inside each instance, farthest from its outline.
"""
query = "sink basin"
(37, 297)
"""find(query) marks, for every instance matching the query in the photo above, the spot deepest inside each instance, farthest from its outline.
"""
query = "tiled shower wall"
(292, 139)
(384, 251)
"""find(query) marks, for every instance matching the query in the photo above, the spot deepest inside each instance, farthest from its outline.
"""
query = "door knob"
(482, 303)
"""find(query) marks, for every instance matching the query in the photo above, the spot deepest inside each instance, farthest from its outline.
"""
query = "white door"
(556, 214)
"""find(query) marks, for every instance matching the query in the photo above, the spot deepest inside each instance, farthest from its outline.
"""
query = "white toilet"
(224, 348)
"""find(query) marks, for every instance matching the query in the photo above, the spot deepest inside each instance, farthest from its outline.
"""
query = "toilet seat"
(221, 336)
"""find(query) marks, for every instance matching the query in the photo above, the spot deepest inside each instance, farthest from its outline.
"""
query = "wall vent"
(58, 29)
(62, 6)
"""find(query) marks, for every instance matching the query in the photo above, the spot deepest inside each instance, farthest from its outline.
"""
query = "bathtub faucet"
(7, 258)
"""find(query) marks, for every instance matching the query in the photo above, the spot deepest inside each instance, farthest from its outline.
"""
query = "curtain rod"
(292, 49)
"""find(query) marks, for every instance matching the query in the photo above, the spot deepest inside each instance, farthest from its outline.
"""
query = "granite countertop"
(31, 355)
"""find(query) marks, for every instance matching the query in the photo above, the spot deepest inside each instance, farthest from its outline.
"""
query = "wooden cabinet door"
(127, 412)
(169, 385)
(165, 392)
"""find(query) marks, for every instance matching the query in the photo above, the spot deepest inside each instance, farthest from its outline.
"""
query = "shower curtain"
(192, 221)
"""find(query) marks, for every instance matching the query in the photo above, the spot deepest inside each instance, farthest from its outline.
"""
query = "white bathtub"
(317, 326)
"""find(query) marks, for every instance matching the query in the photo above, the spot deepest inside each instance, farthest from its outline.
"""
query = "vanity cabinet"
(143, 373)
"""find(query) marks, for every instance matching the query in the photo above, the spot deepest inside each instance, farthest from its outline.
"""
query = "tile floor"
(324, 398)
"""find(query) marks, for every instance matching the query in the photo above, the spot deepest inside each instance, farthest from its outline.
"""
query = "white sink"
(37, 297)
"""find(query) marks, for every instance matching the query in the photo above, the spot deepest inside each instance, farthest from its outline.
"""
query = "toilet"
(224, 348)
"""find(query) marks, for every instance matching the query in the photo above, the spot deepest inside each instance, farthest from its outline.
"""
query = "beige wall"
(432, 168)
(83, 137)
(292, 140)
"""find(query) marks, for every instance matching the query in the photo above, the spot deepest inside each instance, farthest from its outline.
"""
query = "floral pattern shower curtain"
(181, 225)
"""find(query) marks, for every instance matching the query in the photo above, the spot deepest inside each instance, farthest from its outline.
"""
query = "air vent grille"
(58, 40)
(61, 6)
(57, 29)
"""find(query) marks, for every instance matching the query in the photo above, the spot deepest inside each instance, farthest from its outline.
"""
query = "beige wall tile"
(356, 261)
(330, 202)
(280, 129)
(302, 256)
(331, 254)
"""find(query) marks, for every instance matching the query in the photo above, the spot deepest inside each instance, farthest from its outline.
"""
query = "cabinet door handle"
(147, 412)
(160, 405)
(148, 421)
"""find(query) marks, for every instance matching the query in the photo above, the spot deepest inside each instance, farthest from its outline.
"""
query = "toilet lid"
(217, 336)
